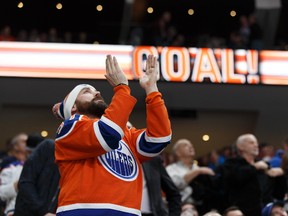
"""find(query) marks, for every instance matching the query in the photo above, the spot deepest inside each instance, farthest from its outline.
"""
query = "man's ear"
(74, 109)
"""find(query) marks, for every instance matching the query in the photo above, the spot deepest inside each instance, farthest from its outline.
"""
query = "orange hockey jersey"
(99, 159)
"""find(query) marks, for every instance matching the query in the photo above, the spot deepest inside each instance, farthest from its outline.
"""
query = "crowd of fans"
(246, 175)
(52, 35)
(246, 34)
(246, 178)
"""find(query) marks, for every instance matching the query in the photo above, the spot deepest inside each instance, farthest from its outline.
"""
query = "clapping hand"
(114, 73)
(148, 80)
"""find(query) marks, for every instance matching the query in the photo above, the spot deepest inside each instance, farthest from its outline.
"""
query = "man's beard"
(92, 108)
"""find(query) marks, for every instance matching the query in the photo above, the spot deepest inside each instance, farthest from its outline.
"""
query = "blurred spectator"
(227, 152)
(32, 141)
(82, 38)
(171, 34)
(239, 37)
(156, 182)
(53, 36)
(167, 158)
(266, 151)
(275, 208)
(158, 33)
(235, 40)
(256, 33)
(244, 30)
(268, 14)
(204, 160)
(38, 183)
(34, 36)
(244, 175)
(186, 174)
(160, 196)
(68, 37)
(203, 40)
(6, 34)
(179, 40)
(22, 35)
(23, 146)
(11, 170)
(43, 37)
(217, 42)
(136, 36)
(16, 150)
(215, 159)
(276, 160)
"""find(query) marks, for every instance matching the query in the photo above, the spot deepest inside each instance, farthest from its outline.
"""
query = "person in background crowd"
(6, 34)
(244, 175)
(38, 183)
(156, 182)
(99, 158)
(160, 196)
(8, 155)
(266, 151)
(11, 167)
(16, 148)
(276, 160)
(244, 30)
(216, 159)
(267, 15)
(10, 174)
(32, 142)
(275, 208)
(256, 33)
(184, 171)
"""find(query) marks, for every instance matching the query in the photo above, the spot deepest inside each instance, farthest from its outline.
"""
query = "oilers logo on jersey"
(120, 163)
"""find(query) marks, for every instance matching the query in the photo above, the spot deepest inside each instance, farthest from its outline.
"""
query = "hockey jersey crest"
(120, 162)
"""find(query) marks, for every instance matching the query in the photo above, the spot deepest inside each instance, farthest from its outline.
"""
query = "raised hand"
(114, 73)
(148, 80)
(275, 171)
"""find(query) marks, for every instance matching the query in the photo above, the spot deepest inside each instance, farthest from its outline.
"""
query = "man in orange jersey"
(99, 158)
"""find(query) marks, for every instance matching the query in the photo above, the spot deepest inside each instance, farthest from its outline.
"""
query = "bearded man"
(98, 156)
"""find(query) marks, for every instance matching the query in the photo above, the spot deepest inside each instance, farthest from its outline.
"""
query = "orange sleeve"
(122, 103)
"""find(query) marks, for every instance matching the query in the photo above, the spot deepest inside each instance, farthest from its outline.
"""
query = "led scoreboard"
(177, 64)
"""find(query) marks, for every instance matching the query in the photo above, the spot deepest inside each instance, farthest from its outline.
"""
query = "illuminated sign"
(177, 64)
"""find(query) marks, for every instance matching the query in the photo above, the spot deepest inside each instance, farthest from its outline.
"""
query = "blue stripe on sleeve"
(151, 147)
(110, 135)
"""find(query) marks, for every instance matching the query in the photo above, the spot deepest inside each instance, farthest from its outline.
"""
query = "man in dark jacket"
(159, 183)
(38, 183)
(247, 181)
